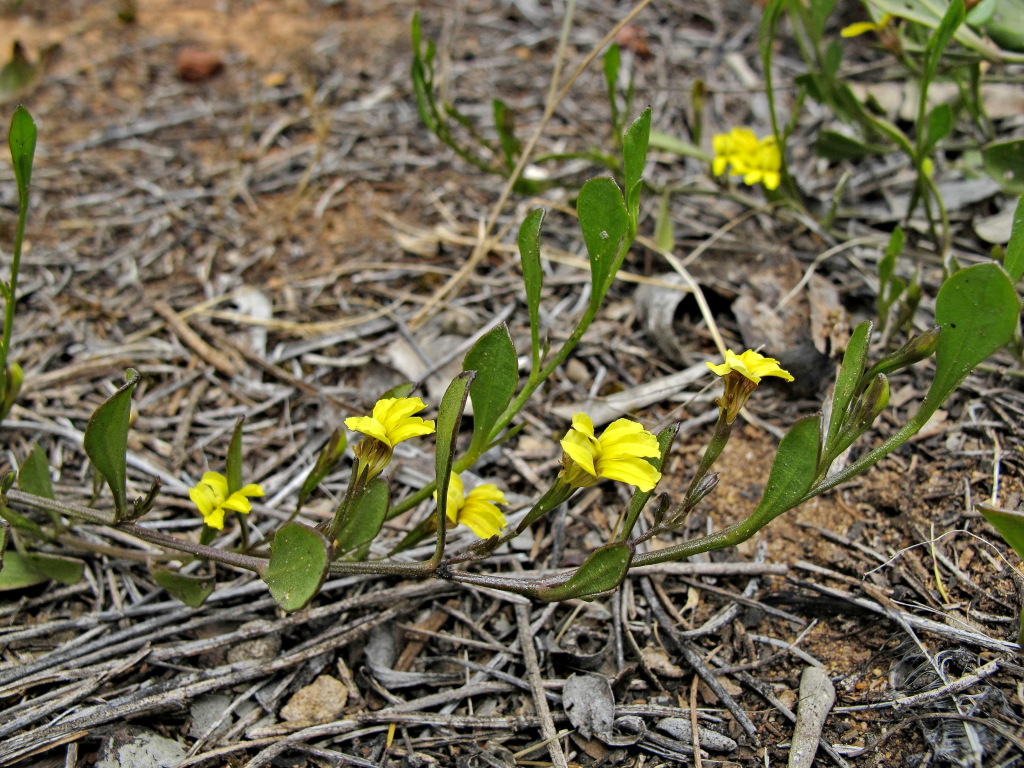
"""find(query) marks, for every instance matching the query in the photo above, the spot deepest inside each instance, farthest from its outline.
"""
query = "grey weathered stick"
(817, 695)
(533, 676)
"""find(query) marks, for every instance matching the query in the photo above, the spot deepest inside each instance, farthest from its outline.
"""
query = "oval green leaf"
(978, 310)
(634, 156)
(793, 472)
(493, 358)
(449, 416)
(533, 275)
(847, 381)
(106, 440)
(22, 141)
(233, 469)
(603, 221)
(368, 514)
(603, 571)
(1004, 162)
(1014, 260)
(299, 559)
(191, 590)
(1009, 523)
(34, 475)
(23, 570)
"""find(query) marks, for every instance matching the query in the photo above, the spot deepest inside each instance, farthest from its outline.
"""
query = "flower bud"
(915, 350)
(707, 484)
(872, 403)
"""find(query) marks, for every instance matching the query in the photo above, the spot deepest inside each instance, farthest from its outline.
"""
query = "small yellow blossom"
(743, 154)
(391, 422)
(863, 27)
(751, 364)
(211, 496)
(477, 509)
(620, 453)
(742, 374)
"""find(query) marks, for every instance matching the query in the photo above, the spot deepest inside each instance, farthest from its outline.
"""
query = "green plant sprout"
(22, 142)
(976, 313)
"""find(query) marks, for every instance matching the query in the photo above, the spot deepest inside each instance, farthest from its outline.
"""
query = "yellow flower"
(743, 154)
(619, 454)
(211, 496)
(742, 374)
(863, 27)
(392, 422)
(730, 148)
(477, 509)
(751, 364)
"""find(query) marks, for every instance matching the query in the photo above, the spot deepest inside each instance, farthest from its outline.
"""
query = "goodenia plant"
(976, 313)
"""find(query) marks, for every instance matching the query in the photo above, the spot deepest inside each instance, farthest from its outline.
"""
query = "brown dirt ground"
(288, 174)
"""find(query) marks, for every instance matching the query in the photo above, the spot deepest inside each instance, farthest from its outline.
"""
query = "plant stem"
(11, 289)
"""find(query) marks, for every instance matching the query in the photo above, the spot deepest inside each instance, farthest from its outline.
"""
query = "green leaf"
(1003, 25)
(505, 124)
(449, 416)
(493, 358)
(603, 571)
(820, 11)
(603, 221)
(835, 146)
(106, 440)
(5, 537)
(299, 559)
(533, 275)
(930, 14)
(34, 475)
(792, 473)
(940, 39)
(368, 514)
(1009, 523)
(634, 156)
(978, 310)
(22, 140)
(23, 570)
(17, 573)
(399, 390)
(327, 461)
(612, 62)
(981, 13)
(675, 145)
(233, 471)
(847, 382)
(191, 590)
(940, 123)
(1014, 259)
(1004, 162)
(664, 233)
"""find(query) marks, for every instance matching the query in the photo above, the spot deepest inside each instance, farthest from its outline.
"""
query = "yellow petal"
(482, 518)
(860, 28)
(632, 471)
(581, 449)
(202, 496)
(368, 426)
(217, 482)
(236, 502)
(582, 423)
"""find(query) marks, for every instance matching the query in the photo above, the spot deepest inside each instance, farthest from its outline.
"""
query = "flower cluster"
(623, 452)
(211, 497)
(743, 154)
(620, 453)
